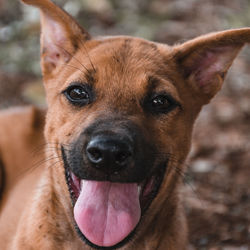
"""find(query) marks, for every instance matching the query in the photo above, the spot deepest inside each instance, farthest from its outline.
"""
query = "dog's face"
(121, 122)
(121, 111)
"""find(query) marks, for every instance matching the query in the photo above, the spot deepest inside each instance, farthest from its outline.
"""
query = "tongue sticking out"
(107, 212)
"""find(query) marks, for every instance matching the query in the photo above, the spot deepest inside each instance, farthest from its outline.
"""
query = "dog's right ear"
(60, 37)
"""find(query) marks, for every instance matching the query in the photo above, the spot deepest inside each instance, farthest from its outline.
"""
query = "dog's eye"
(77, 95)
(160, 104)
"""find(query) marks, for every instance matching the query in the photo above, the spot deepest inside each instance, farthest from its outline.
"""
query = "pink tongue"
(107, 212)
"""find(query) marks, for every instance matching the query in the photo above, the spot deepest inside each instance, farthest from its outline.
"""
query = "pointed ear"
(204, 61)
(60, 37)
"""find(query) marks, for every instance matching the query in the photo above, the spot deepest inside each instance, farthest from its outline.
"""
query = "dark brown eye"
(78, 95)
(161, 103)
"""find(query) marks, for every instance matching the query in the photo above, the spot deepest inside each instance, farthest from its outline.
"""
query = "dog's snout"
(109, 153)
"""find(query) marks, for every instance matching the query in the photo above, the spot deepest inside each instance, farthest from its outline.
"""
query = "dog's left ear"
(204, 61)
(60, 37)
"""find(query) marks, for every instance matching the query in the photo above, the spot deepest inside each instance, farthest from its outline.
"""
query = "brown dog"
(118, 129)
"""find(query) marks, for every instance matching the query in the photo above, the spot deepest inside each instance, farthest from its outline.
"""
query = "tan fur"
(36, 211)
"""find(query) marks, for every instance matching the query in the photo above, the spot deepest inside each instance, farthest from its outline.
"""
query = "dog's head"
(121, 111)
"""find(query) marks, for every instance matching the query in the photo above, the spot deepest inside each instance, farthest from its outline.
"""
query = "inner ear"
(206, 65)
(61, 36)
(57, 47)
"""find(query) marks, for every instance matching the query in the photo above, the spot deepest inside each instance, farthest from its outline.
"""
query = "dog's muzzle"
(113, 175)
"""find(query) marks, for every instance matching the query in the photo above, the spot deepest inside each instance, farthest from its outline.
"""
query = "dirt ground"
(216, 186)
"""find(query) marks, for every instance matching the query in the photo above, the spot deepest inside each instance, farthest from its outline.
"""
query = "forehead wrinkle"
(156, 83)
(91, 76)
(133, 52)
(151, 83)
(122, 55)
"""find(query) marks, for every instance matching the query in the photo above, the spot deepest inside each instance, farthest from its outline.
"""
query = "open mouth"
(108, 213)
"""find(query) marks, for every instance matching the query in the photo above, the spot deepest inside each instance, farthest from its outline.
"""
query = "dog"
(117, 132)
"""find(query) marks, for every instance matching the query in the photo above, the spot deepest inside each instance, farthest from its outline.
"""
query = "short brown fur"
(36, 211)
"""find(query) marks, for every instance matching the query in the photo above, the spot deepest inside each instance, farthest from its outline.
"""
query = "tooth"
(139, 189)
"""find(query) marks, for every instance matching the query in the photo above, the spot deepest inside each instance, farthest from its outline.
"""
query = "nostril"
(121, 158)
(94, 154)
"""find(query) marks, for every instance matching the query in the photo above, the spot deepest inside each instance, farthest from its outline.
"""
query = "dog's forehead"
(129, 52)
(124, 62)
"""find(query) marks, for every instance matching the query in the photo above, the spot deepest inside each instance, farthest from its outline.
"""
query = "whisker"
(54, 163)
(71, 66)
(44, 146)
(86, 51)
(36, 165)
(73, 57)
(39, 163)
(183, 174)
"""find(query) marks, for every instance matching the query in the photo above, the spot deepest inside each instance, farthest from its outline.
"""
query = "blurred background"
(217, 183)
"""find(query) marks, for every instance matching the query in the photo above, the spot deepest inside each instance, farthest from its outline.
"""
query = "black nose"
(109, 153)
